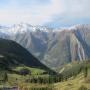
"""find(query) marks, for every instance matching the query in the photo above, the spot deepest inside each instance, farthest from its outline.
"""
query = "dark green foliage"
(48, 87)
(85, 71)
(24, 71)
(3, 76)
(82, 88)
(13, 49)
(13, 54)
(43, 88)
(45, 79)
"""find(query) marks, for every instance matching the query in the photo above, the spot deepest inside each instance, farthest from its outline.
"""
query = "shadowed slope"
(13, 54)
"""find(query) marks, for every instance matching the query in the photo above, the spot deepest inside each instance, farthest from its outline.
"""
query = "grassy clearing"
(34, 71)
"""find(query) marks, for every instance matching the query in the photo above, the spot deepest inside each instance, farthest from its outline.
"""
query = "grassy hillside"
(80, 79)
(18, 66)
(13, 55)
(74, 83)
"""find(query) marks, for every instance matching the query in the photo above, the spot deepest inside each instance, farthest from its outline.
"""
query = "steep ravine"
(76, 48)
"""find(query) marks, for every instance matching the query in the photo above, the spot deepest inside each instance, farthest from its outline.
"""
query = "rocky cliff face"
(68, 45)
(52, 47)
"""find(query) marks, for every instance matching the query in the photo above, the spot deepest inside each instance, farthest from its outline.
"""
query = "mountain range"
(53, 47)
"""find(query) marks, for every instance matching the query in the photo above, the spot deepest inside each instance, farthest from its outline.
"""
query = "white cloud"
(77, 8)
(40, 14)
(35, 15)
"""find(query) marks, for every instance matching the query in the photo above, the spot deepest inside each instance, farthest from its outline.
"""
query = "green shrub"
(24, 71)
(83, 88)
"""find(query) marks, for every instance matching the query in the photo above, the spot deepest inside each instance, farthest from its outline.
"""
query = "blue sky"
(53, 13)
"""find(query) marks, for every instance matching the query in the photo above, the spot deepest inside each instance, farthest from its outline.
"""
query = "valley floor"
(68, 80)
(77, 83)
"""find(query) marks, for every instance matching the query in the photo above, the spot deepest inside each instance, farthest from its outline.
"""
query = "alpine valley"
(41, 58)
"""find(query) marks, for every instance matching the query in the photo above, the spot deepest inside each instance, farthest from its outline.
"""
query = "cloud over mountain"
(35, 12)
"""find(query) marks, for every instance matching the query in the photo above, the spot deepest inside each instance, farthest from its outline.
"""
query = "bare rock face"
(76, 49)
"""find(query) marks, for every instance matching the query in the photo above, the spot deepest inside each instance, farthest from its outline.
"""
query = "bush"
(83, 88)
(24, 71)
(3, 76)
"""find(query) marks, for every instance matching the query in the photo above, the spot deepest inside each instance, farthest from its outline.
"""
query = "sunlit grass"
(73, 83)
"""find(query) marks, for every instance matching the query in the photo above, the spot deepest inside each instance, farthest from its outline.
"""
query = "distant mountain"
(68, 45)
(13, 55)
(33, 38)
(54, 47)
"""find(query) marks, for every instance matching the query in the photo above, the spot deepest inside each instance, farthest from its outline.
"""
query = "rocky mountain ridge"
(53, 47)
